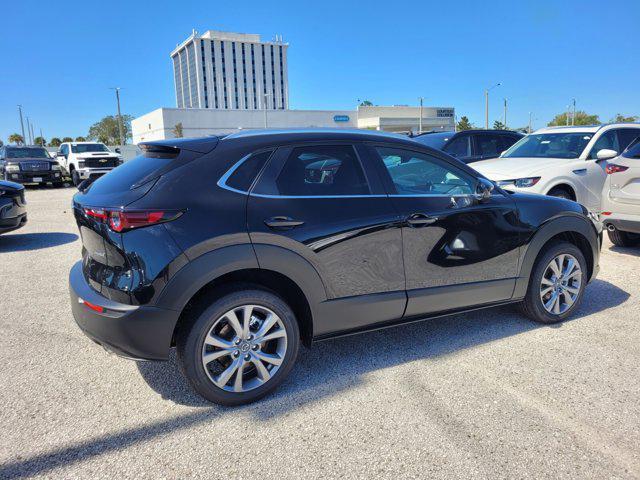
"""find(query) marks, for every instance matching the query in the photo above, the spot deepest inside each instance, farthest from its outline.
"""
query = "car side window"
(322, 170)
(414, 173)
(608, 140)
(63, 149)
(488, 145)
(507, 141)
(626, 136)
(459, 147)
(243, 176)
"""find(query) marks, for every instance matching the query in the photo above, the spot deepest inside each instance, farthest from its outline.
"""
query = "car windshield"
(88, 147)
(434, 140)
(549, 145)
(27, 153)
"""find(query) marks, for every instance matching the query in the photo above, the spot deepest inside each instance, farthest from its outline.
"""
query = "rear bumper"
(622, 222)
(13, 223)
(136, 332)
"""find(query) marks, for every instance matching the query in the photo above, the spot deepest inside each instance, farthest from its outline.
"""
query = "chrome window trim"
(222, 183)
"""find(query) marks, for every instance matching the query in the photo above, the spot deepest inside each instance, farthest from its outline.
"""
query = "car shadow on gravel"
(332, 366)
(325, 370)
(634, 251)
(23, 242)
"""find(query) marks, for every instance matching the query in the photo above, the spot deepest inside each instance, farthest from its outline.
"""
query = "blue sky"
(60, 58)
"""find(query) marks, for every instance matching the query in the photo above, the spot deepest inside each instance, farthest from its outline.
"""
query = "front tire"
(623, 239)
(75, 178)
(240, 347)
(556, 285)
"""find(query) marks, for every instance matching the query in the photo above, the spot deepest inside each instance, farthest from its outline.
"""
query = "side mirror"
(606, 154)
(483, 190)
(118, 150)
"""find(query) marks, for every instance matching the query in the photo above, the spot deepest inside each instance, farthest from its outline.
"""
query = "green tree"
(40, 141)
(81, 139)
(619, 118)
(67, 139)
(177, 130)
(16, 138)
(366, 103)
(582, 118)
(464, 124)
(55, 142)
(498, 125)
(106, 130)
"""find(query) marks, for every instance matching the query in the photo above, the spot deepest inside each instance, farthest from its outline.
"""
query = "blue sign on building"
(341, 118)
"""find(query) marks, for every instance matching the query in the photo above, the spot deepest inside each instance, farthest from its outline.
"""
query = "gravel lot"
(481, 395)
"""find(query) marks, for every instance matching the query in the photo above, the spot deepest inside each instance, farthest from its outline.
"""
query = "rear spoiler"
(174, 145)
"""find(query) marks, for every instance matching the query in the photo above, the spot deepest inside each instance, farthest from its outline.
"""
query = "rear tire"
(551, 297)
(623, 239)
(75, 178)
(219, 349)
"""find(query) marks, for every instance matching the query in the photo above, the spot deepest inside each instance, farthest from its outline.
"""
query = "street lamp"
(420, 119)
(486, 104)
(264, 102)
(24, 139)
(531, 120)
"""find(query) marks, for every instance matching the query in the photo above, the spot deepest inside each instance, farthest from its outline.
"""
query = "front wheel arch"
(571, 191)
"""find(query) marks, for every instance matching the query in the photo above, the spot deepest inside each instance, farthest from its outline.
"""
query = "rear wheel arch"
(573, 229)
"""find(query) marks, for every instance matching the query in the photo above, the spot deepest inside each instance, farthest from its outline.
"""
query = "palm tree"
(16, 138)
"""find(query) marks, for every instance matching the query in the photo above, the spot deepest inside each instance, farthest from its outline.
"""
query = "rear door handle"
(580, 170)
(420, 220)
(282, 223)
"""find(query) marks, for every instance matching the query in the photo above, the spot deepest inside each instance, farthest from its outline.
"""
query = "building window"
(273, 80)
(264, 81)
(281, 79)
(253, 77)
(224, 76)
(235, 75)
(215, 76)
(244, 77)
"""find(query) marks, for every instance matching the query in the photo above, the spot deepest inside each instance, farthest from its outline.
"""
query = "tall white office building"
(224, 70)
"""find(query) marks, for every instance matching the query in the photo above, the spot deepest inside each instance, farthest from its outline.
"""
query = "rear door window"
(459, 146)
(626, 136)
(507, 141)
(488, 145)
(322, 170)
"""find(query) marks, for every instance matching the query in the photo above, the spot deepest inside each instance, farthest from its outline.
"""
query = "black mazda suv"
(236, 250)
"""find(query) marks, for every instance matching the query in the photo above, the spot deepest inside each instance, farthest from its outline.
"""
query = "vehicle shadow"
(330, 367)
(322, 371)
(635, 251)
(22, 242)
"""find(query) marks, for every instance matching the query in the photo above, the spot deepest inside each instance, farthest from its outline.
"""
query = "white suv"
(561, 161)
(621, 197)
(82, 160)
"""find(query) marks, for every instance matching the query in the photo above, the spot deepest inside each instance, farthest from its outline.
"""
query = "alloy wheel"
(560, 284)
(244, 348)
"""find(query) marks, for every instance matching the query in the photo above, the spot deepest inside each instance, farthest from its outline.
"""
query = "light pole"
(264, 101)
(117, 89)
(33, 136)
(531, 120)
(41, 139)
(28, 133)
(24, 139)
(573, 117)
(505, 113)
(420, 119)
(486, 104)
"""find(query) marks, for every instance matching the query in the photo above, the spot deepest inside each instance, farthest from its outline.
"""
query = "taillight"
(122, 220)
(613, 168)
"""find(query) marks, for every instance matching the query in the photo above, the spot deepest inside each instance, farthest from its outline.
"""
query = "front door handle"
(580, 170)
(420, 220)
(282, 223)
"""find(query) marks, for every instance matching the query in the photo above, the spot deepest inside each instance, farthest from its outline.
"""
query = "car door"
(458, 251)
(322, 202)
(595, 174)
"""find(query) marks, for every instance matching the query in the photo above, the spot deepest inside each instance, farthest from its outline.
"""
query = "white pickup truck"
(83, 160)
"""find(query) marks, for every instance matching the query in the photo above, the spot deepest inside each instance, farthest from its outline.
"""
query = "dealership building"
(227, 82)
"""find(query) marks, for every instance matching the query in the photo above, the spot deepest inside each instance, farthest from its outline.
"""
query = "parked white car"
(564, 162)
(621, 197)
(82, 160)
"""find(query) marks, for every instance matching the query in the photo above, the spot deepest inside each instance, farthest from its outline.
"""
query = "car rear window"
(633, 151)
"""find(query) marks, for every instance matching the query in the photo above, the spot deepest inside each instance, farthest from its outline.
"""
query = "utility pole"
(24, 139)
(117, 89)
(420, 119)
(486, 104)
(33, 137)
(530, 116)
(505, 113)
(573, 117)
(28, 133)
(41, 139)
(568, 113)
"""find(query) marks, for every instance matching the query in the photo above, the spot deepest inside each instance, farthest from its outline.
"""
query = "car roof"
(584, 128)
(473, 130)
